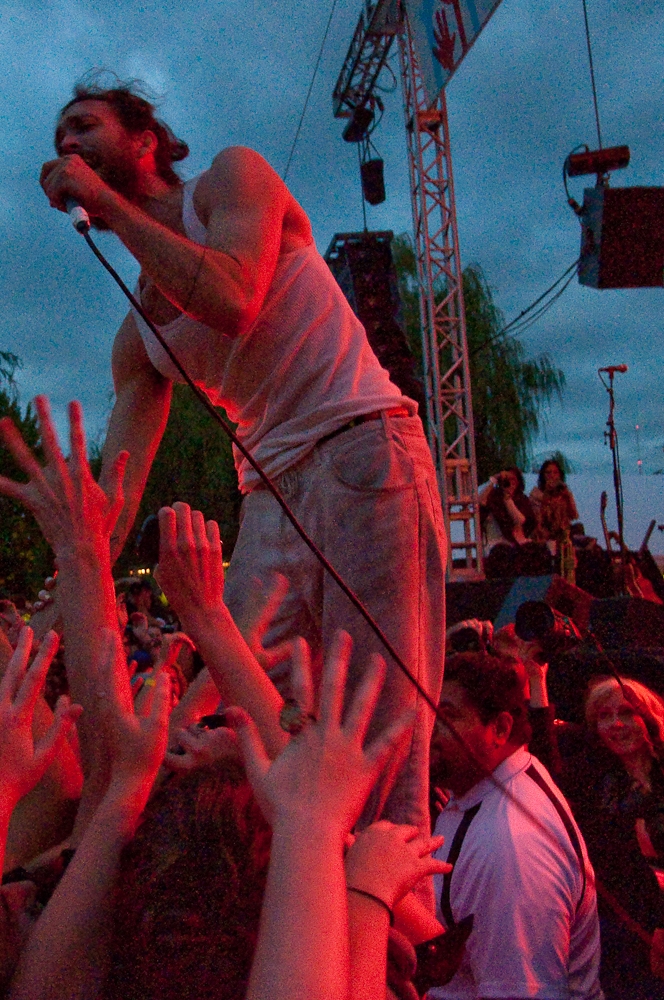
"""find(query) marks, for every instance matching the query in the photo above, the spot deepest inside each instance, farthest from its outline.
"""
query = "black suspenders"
(452, 857)
(470, 815)
(565, 819)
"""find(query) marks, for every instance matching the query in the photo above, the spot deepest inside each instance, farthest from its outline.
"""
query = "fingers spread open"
(33, 681)
(393, 742)
(301, 683)
(13, 441)
(364, 701)
(49, 438)
(185, 531)
(115, 491)
(333, 684)
(79, 451)
(200, 541)
(167, 534)
(16, 666)
(256, 761)
(50, 744)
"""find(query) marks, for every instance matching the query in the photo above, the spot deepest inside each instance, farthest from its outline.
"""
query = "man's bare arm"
(249, 211)
(138, 421)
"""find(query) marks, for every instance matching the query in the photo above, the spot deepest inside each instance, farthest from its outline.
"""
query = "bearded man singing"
(231, 276)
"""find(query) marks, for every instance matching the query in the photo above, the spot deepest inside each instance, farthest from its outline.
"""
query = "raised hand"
(22, 762)
(202, 748)
(255, 630)
(387, 861)
(325, 773)
(190, 570)
(70, 508)
(136, 741)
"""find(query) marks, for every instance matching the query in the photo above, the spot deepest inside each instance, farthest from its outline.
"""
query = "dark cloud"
(239, 73)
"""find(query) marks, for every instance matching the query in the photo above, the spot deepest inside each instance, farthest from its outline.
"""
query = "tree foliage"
(194, 464)
(25, 556)
(510, 390)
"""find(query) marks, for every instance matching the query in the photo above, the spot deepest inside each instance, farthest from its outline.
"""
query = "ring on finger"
(293, 718)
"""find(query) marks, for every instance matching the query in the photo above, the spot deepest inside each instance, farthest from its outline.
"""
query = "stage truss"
(443, 326)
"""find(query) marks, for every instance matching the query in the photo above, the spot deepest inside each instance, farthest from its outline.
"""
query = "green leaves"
(194, 464)
(510, 390)
(25, 556)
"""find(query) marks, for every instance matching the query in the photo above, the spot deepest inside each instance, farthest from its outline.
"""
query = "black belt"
(396, 411)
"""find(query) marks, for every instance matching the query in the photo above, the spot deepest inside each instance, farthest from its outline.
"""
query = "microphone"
(80, 219)
(612, 369)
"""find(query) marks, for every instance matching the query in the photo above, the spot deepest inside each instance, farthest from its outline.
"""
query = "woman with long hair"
(617, 791)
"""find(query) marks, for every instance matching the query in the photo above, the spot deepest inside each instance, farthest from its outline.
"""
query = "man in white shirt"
(521, 874)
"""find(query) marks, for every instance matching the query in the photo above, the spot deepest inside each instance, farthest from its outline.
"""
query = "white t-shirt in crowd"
(535, 930)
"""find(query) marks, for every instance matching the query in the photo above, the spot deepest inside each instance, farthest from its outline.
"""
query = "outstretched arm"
(191, 574)
(138, 421)
(382, 866)
(24, 760)
(67, 955)
(77, 518)
(312, 795)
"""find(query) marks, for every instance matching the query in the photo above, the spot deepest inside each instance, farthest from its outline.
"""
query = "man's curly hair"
(129, 100)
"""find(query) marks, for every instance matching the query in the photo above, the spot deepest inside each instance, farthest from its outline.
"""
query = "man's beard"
(120, 172)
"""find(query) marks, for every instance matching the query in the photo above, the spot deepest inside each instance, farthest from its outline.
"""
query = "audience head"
(551, 475)
(484, 700)
(627, 717)
(517, 483)
(190, 891)
(140, 596)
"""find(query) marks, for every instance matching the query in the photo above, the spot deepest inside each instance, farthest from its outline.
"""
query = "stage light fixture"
(597, 161)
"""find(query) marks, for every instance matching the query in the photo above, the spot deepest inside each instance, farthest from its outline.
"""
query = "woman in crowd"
(616, 788)
(555, 510)
(508, 522)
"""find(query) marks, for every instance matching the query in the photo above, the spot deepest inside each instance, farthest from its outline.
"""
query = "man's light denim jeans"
(369, 499)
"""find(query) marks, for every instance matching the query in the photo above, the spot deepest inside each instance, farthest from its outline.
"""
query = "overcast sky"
(233, 72)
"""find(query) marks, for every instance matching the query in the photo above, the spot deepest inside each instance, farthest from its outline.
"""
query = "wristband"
(376, 899)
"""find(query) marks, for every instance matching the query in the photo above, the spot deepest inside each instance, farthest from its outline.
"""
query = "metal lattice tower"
(445, 349)
(444, 342)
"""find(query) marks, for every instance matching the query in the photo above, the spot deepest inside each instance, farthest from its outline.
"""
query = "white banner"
(443, 31)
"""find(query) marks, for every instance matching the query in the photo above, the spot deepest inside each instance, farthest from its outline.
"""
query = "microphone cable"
(329, 568)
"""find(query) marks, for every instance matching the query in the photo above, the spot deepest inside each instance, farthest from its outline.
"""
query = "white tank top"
(304, 368)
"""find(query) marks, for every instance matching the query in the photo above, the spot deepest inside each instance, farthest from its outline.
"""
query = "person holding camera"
(508, 520)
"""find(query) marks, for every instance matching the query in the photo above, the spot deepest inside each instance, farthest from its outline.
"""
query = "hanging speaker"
(622, 238)
(373, 183)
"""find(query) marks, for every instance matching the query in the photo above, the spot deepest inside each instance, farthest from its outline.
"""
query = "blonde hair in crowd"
(644, 701)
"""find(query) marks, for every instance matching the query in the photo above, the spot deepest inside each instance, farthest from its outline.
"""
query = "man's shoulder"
(238, 165)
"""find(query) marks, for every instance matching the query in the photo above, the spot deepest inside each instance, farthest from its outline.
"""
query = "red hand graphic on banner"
(445, 42)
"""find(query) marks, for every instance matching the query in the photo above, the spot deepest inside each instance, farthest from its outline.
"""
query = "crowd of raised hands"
(86, 788)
